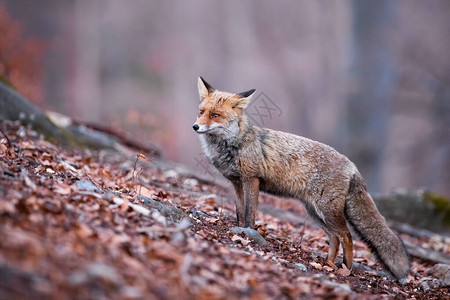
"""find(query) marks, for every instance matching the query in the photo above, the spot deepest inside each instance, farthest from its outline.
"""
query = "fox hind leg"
(333, 239)
(347, 245)
(334, 247)
(335, 225)
(338, 233)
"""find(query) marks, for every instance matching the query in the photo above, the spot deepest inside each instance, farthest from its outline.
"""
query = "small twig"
(133, 175)
(221, 207)
(137, 171)
(6, 137)
(302, 232)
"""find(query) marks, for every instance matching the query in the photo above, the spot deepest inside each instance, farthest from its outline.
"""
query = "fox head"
(220, 112)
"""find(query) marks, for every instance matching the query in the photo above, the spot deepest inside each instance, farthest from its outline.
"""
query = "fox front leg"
(251, 192)
(240, 204)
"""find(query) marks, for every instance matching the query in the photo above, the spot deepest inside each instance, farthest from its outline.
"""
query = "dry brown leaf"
(72, 231)
(143, 191)
(316, 265)
(330, 263)
(202, 233)
(7, 207)
(327, 268)
(83, 230)
(124, 205)
(238, 239)
(211, 219)
(344, 271)
(62, 189)
(28, 181)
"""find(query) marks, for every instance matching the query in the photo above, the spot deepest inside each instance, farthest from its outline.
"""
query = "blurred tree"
(369, 103)
(370, 78)
(20, 59)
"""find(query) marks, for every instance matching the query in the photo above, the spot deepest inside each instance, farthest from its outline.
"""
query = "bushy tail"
(363, 215)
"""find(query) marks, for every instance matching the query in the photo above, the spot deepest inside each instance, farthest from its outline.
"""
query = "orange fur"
(258, 159)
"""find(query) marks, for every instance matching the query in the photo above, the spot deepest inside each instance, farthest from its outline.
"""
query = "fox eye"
(201, 112)
(214, 116)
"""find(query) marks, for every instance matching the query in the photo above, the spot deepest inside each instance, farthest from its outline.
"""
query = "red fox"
(257, 159)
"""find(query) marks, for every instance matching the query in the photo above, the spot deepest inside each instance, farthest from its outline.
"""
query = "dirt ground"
(75, 224)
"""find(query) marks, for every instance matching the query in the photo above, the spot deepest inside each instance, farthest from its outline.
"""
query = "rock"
(435, 283)
(431, 284)
(92, 138)
(417, 207)
(424, 286)
(15, 107)
(86, 185)
(442, 272)
(167, 211)
(191, 182)
(250, 233)
(129, 292)
(96, 271)
(301, 267)
(341, 287)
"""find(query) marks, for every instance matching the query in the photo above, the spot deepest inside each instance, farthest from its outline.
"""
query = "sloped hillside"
(103, 224)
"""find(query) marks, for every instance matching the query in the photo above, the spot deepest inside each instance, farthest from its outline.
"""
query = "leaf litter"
(89, 224)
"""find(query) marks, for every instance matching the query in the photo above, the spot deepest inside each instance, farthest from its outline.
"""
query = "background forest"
(370, 78)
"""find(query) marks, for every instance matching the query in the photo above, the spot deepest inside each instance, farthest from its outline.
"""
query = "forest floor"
(84, 224)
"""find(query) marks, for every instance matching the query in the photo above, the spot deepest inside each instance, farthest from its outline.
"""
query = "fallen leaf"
(62, 189)
(316, 265)
(145, 192)
(124, 205)
(238, 239)
(330, 263)
(28, 181)
(211, 219)
(344, 271)
(327, 268)
(83, 230)
(138, 208)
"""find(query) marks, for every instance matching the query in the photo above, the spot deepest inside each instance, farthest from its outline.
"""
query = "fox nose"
(195, 127)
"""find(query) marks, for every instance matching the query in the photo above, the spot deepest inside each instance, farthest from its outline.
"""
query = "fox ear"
(245, 99)
(204, 89)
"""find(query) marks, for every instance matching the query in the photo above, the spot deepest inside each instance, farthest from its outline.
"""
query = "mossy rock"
(417, 207)
(441, 205)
